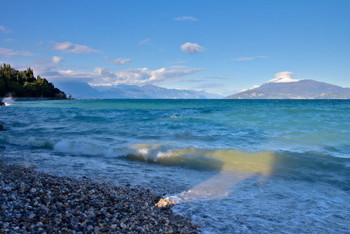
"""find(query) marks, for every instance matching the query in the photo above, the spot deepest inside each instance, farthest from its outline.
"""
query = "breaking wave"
(8, 101)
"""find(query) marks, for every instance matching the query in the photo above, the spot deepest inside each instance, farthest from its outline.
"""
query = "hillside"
(23, 84)
(296, 89)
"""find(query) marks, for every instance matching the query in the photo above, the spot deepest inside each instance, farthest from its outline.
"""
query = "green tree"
(24, 84)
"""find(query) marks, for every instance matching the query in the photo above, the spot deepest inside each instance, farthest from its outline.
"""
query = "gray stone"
(32, 190)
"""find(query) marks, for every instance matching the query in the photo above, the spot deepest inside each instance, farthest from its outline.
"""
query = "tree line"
(24, 84)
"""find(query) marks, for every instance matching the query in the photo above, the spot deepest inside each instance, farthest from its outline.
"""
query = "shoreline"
(40, 202)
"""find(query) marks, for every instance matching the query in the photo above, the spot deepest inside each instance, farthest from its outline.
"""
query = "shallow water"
(255, 166)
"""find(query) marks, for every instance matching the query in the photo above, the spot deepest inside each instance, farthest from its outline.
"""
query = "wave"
(31, 142)
(230, 163)
(8, 101)
(297, 165)
(229, 166)
(258, 162)
(82, 148)
(220, 159)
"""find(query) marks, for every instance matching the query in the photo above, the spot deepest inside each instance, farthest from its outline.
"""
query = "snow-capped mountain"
(285, 87)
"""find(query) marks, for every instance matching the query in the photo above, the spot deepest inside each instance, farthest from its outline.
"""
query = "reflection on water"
(233, 167)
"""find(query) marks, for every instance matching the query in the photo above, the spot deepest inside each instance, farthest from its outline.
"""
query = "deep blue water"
(255, 166)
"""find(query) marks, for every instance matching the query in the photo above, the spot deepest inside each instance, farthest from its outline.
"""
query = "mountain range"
(277, 88)
(287, 88)
(83, 90)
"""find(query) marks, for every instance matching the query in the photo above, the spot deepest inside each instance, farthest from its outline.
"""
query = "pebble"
(32, 190)
(42, 203)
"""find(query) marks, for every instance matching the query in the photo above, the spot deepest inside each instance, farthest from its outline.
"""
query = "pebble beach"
(32, 201)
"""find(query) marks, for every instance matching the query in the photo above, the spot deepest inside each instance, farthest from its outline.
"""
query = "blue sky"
(217, 46)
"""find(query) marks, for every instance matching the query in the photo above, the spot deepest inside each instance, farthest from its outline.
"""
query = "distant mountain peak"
(288, 88)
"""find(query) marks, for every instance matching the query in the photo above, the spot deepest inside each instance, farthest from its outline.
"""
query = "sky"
(217, 46)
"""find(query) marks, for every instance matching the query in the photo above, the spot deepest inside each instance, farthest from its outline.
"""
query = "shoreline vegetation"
(32, 201)
(23, 84)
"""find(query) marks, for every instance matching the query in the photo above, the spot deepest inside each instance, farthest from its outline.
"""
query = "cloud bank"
(104, 77)
(139, 75)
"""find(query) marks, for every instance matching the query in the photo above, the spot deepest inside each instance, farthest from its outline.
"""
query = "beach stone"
(165, 202)
(37, 202)
(39, 224)
(32, 190)
(7, 188)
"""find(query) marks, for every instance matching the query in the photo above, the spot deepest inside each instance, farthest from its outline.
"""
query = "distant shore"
(32, 201)
(34, 99)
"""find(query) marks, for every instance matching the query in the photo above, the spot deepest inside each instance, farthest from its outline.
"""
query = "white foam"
(82, 148)
(175, 116)
(217, 187)
(150, 152)
(8, 101)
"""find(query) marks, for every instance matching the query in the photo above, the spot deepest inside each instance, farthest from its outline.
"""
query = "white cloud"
(10, 52)
(122, 61)
(101, 76)
(191, 48)
(4, 29)
(76, 74)
(249, 58)
(56, 59)
(139, 75)
(67, 75)
(186, 18)
(73, 48)
(146, 41)
(283, 77)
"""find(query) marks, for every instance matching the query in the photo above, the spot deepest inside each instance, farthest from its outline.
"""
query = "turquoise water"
(251, 166)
